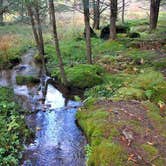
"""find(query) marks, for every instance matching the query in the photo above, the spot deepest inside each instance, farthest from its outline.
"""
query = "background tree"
(123, 10)
(154, 12)
(33, 8)
(113, 17)
(87, 30)
(55, 36)
(96, 14)
(1, 12)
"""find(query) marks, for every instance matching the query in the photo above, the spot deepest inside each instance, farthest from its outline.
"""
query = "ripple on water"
(59, 142)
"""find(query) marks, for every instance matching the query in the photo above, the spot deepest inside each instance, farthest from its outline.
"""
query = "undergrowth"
(13, 130)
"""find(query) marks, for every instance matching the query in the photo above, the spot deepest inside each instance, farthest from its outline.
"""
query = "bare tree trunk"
(61, 66)
(87, 30)
(123, 10)
(39, 28)
(96, 13)
(113, 16)
(38, 38)
(30, 13)
(40, 35)
(154, 12)
(1, 13)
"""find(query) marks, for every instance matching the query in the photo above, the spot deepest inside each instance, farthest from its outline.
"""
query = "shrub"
(13, 131)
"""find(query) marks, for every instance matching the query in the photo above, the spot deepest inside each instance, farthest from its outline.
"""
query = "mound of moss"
(24, 80)
(147, 85)
(83, 76)
(102, 150)
(13, 130)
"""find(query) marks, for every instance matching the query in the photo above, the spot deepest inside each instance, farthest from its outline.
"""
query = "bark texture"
(154, 12)
(87, 30)
(54, 27)
(113, 16)
(96, 14)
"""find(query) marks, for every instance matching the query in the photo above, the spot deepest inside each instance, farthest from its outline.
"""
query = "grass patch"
(147, 85)
(83, 75)
(150, 150)
(11, 49)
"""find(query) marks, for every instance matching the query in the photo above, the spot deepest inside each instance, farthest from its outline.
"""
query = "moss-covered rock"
(134, 35)
(83, 75)
(24, 80)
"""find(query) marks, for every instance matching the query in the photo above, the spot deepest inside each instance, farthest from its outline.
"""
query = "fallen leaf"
(150, 143)
(110, 110)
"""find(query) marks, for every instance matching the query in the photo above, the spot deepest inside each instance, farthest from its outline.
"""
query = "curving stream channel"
(58, 140)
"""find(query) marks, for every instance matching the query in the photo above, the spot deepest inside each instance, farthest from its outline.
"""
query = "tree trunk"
(30, 13)
(39, 28)
(96, 14)
(87, 31)
(123, 11)
(1, 13)
(53, 19)
(37, 37)
(113, 16)
(154, 12)
(40, 35)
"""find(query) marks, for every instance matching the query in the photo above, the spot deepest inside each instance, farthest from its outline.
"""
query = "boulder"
(134, 35)
(105, 32)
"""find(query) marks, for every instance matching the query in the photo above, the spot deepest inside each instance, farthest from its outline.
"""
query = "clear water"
(59, 142)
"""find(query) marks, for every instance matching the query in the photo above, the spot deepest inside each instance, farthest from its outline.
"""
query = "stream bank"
(58, 140)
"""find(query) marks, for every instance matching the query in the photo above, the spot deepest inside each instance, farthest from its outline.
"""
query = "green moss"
(101, 133)
(137, 55)
(37, 58)
(159, 162)
(154, 114)
(113, 133)
(148, 79)
(23, 80)
(109, 47)
(150, 150)
(147, 85)
(160, 64)
(83, 75)
(93, 123)
(107, 154)
(153, 83)
(112, 82)
(127, 93)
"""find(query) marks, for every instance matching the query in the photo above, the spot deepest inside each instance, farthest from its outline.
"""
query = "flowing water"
(58, 140)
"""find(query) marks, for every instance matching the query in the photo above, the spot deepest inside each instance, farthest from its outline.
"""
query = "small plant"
(88, 150)
(13, 130)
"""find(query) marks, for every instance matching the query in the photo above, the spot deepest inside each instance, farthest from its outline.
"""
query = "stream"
(58, 140)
